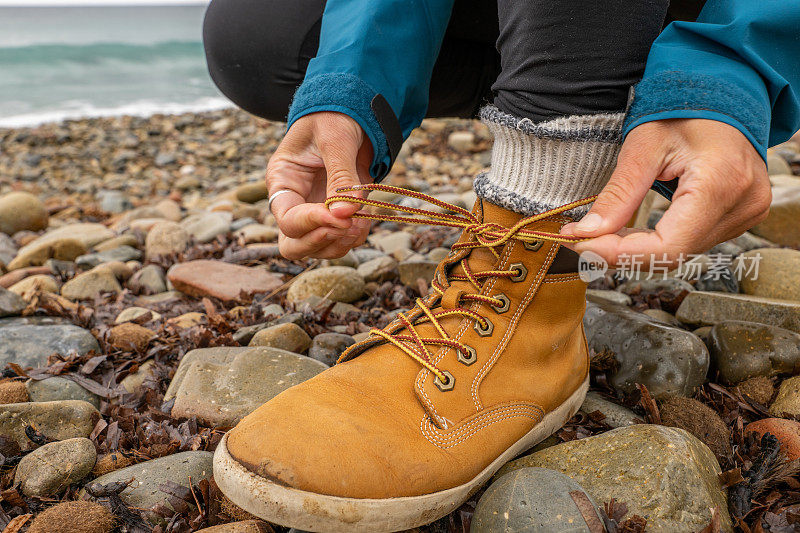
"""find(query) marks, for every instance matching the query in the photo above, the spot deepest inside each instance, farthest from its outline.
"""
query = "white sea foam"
(142, 108)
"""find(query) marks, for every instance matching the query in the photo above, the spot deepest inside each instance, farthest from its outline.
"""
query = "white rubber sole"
(332, 514)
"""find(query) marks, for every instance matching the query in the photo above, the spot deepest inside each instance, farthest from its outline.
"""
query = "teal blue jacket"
(739, 63)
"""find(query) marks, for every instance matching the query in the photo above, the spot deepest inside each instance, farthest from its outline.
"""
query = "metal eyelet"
(505, 306)
(521, 271)
(468, 360)
(533, 246)
(447, 385)
(484, 331)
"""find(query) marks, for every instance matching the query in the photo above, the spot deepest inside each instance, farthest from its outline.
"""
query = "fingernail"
(589, 223)
(340, 205)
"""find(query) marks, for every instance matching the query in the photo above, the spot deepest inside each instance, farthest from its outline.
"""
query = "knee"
(253, 54)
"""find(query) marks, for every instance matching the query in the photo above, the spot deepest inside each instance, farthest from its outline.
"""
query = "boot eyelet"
(533, 246)
(468, 360)
(447, 385)
(484, 331)
(521, 272)
(505, 306)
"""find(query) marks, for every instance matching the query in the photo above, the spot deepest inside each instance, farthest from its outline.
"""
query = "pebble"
(787, 401)
(778, 273)
(90, 285)
(258, 233)
(664, 474)
(667, 360)
(391, 242)
(327, 347)
(438, 254)
(32, 284)
(188, 320)
(37, 252)
(780, 227)
(149, 279)
(787, 432)
(145, 492)
(115, 242)
(742, 350)
(11, 303)
(707, 308)
(57, 420)
(166, 238)
(133, 313)
(722, 280)
(411, 271)
(615, 415)
(777, 165)
(246, 526)
(615, 297)
(48, 470)
(114, 202)
(30, 341)
(289, 337)
(129, 336)
(133, 381)
(272, 310)
(206, 227)
(121, 253)
(380, 269)
(21, 211)
(222, 385)
(655, 285)
(461, 141)
(225, 281)
(662, 316)
(337, 283)
(534, 500)
(58, 388)
(251, 193)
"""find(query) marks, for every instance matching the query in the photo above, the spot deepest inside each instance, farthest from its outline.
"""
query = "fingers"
(340, 157)
(638, 165)
(296, 218)
(324, 243)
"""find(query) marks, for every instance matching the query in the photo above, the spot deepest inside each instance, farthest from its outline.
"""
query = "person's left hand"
(723, 191)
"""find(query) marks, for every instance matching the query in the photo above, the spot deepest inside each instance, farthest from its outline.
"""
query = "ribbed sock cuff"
(537, 167)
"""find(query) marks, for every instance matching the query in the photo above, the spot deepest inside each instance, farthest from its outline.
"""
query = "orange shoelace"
(487, 235)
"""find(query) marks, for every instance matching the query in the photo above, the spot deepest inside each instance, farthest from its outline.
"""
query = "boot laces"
(488, 235)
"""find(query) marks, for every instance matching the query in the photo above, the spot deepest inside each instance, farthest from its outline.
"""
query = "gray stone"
(58, 388)
(533, 500)
(11, 303)
(327, 347)
(145, 491)
(121, 253)
(615, 297)
(655, 285)
(31, 342)
(220, 386)
(48, 470)
(778, 273)
(411, 271)
(616, 416)
(58, 420)
(380, 269)
(340, 284)
(667, 360)
(363, 255)
(114, 202)
(244, 335)
(206, 227)
(166, 238)
(149, 279)
(708, 308)
(742, 350)
(662, 316)
(391, 242)
(722, 279)
(663, 474)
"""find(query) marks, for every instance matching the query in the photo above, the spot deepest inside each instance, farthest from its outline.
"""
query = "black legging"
(556, 57)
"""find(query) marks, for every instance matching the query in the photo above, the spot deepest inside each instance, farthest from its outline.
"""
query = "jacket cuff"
(350, 95)
(678, 94)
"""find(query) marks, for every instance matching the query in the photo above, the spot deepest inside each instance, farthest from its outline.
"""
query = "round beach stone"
(37, 252)
(787, 402)
(289, 337)
(133, 313)
(787, 432)
(337, 283)
(327, 347)
(91, 284)
(38, 282)
(225, 281)
(708, 308)
(166, 238)
(778, 273)
(21, 211)
(48, 470)
(58, 388)
(205, 227)
(780, 226)
(534, 500)
(411, 271)
(616, 416)
(30, 341)
(742, 350)
(11, 303)
(251, 193)
(380, 269)
(59, 420)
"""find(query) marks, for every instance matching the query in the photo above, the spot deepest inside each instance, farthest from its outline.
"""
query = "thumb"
(619, 199)
(339, 157)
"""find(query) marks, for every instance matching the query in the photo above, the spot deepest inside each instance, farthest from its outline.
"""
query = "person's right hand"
(320, 153)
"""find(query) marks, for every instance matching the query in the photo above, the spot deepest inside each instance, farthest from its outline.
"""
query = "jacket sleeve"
(374, 63)
(738, 64)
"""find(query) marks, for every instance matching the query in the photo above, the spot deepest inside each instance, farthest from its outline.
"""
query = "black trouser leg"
(572, 57)
(258, 52)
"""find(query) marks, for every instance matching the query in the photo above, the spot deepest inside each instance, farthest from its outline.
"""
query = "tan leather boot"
(422, 413)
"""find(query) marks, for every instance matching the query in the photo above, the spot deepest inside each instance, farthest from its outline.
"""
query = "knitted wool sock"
(536, 167)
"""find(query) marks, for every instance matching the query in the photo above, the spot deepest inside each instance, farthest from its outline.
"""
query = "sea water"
(83, 61)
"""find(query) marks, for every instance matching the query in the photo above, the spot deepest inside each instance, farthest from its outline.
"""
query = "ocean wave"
(43, 54)
(142, 108)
